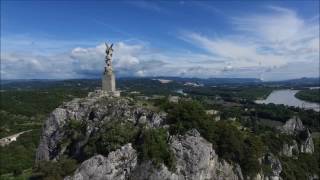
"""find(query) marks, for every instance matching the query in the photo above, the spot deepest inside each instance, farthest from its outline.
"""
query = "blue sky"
(271, 40)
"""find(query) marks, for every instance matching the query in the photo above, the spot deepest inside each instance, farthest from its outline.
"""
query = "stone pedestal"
(108, 82)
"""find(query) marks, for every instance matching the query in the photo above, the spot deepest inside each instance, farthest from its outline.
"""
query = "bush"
(252, 150)
(111, 136)
(114, 135)
(154, 147)
(186, 115)
(299, 169)
(227, 141)
(275, 141)
(54, 170)
(17, 171)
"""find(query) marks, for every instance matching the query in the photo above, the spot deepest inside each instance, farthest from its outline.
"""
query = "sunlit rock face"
(195, 159)
(292, 126)
(295, 128)
(116, 166)
(95, 110)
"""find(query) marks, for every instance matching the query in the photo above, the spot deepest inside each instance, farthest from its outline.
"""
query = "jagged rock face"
(307, 145)
(295, 127)
(94, 110)
(147, 171)
(290, 149)
(195, 159)
(117, 166)
(275, 165)
(271, 161)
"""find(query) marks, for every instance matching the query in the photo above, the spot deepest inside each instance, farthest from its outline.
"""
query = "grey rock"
(307, 145)
(147, 171)
(195, 159)
(290, 149)
(117, 166)
(98, 108)
(293, 126)
(275, 165)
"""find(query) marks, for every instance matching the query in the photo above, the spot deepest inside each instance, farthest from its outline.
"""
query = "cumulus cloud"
(80, 62)
(21, 66)
(272, 45)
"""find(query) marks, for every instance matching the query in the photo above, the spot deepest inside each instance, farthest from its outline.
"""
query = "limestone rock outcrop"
(292, 126)
(306, 143)
(194, 156)
(96, 109)
(291, 149)
(275, 166)
(117, 166)
(195, 159)
(295, 128)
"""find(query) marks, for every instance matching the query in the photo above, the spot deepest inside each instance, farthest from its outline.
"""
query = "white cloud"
(274, 45)
(278, 26)
(264, 41)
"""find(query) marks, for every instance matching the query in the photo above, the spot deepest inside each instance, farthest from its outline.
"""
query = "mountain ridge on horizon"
(164, 77)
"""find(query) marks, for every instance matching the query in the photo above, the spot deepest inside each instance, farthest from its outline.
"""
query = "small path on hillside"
(9, 139)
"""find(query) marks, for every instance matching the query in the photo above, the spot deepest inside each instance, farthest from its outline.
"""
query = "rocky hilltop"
(195, 160)
(94, 111)
(75, 124)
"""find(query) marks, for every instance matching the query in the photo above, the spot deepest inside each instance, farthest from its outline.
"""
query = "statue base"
(108, 81)
(101, 93)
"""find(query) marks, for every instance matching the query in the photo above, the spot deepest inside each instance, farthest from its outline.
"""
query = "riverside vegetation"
(312, 95)
(244, 141)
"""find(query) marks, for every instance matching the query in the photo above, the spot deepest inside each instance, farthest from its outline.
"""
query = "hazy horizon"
(164, 77)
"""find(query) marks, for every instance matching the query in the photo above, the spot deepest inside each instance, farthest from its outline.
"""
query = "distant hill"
(215, 81)
(307, 82)
(94, 83)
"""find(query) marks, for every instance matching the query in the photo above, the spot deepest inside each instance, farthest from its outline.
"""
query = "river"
(287, 97)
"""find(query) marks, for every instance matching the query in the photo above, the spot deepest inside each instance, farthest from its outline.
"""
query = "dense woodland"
(27, 109)
(312, 95)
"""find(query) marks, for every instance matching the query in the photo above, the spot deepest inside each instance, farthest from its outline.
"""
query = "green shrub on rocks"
(299, 169)
(48, 170)
(111, 136)
(228, 141)
(186, 115)
(154, 147)
(114, 135)
(275, 141)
